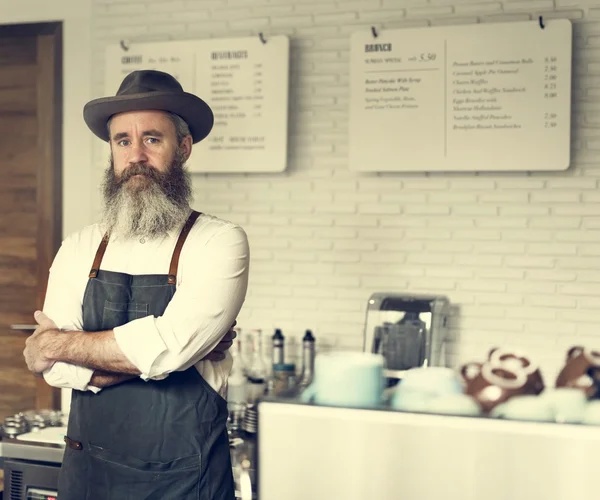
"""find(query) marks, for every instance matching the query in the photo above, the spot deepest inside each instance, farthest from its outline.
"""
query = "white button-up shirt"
(212, 280)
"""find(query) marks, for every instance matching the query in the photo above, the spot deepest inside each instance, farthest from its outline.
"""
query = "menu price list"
(245, 82)
(492, 94)
(464, 99)
(236, 95)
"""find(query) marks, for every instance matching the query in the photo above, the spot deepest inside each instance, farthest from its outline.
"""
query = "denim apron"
(153, 440)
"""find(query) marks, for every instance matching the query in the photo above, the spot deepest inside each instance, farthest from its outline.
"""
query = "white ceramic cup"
(433, 390)
(347, 378)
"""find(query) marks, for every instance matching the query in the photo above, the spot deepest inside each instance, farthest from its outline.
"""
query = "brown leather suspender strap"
(172, 278)
(99, 255)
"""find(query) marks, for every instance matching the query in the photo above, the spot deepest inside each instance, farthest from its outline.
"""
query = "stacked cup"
(433, 390)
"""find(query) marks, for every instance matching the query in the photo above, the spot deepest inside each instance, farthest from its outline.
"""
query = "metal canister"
(278, 354)
(308, 360)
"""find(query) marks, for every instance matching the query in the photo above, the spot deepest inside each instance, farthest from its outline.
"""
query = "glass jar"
(284, 378)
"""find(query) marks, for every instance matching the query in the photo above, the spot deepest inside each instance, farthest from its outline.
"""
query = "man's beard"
(147, 207)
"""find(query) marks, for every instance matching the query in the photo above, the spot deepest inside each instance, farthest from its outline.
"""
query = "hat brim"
(193, 110)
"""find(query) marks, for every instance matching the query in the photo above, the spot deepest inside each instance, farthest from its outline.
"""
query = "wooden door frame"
(49, 179)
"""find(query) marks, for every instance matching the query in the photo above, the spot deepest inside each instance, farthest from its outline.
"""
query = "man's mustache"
(139, 169)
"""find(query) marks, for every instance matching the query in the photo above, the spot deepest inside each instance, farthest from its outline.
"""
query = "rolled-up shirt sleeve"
(68, 376)
(208, 299)
(63, 305)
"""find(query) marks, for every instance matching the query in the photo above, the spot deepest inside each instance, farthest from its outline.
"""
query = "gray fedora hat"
(146, 90)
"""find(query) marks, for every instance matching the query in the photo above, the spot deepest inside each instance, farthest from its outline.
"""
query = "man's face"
(144, 138)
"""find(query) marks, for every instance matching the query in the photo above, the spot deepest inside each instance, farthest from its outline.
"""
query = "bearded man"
(139, 310)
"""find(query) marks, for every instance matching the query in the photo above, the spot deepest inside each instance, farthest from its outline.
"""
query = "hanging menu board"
(484, 97)
(245, 82)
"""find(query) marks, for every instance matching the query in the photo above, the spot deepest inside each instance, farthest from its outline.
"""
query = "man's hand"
(218, 353)
(37, 345)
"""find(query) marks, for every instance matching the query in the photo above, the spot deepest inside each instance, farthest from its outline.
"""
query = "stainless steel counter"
(28, 450)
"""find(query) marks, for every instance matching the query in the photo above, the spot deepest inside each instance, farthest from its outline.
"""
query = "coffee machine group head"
(407, 330)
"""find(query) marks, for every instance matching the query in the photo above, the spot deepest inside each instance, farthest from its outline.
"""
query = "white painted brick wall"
(518, 253)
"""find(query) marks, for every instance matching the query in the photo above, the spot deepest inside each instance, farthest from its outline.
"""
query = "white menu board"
(244, 81)
(484, 97)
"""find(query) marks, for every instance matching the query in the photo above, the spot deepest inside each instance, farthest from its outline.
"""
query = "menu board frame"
(244, 80)
(481, 97)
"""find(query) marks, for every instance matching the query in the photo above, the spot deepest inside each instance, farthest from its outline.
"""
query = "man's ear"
(186, 146)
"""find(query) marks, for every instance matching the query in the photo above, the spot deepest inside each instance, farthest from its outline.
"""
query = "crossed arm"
(95, 350)
(195, 326)
(98, 351)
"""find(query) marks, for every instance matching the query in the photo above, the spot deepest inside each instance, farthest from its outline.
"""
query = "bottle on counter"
(236, 384)
(237, 391)
(308, 361)
(258, 371)
(278, 353)
(267, 354)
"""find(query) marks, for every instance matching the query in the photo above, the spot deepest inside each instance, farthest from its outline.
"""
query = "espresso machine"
(409, 331)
